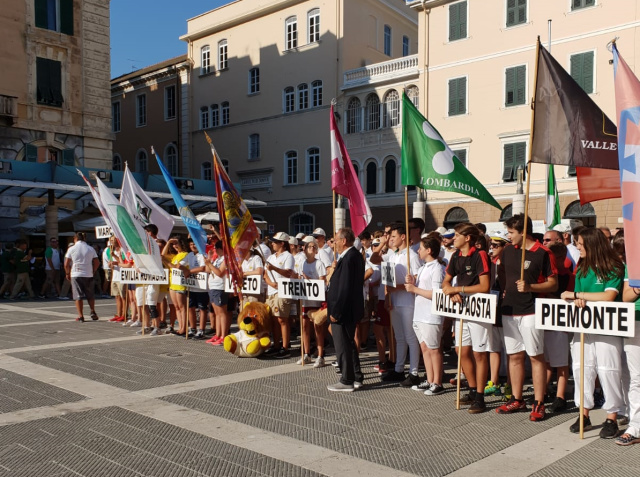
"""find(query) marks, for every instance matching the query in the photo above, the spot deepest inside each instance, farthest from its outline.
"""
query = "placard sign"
(388, 273)
(131, 275)
(597, 317)
(301, 289)
(252, 285)
(480, 307)
(195, 281)
(103, 231)
(115, 275)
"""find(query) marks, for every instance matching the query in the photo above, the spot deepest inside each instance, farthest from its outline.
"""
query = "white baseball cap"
(280, 237)
(300, 236)
(441, 230)
(293, 241)
(319, 231)
(449, 233)
(499, 235)
(308, 239)
(562, 228)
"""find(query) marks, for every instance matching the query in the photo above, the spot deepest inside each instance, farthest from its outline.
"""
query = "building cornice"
(146, 79)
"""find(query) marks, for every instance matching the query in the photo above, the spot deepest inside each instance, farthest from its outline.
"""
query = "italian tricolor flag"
(553, 203)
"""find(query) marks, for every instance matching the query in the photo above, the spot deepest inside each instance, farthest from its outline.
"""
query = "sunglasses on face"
(495, 245)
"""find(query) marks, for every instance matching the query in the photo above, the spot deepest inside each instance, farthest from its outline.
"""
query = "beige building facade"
(149, 108)
(476, 61)
(264, 75)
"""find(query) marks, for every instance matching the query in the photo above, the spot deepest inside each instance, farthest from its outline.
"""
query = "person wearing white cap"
(448, 248)
(325, 254)
(572, 251)
(279, 264)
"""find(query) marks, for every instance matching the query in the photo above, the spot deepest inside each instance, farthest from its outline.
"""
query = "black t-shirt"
(468, 269)
(539, 264)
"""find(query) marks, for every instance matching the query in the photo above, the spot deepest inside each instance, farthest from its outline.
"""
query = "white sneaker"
(146, 331)
(136, 324)
(127, 323)
(423, 386)
(306, 360)
(155, 332)
(63, 298)
(319, 363)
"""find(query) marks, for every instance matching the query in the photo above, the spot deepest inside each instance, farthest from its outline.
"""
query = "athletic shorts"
(280, 307)
(218, 297)
(556, 348)
(108, 273)
(118, 289)
(520, 334)
(382, 315)
(82, 287)
(369, 308)
(481, 336)
(151, 292)
(428, 333)
(199, 300)
(466, 336)
(497, 340)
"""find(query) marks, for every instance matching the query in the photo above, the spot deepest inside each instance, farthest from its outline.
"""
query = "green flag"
(553, 202)
(428, 163)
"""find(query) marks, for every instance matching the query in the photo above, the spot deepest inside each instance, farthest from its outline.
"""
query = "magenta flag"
(344, 181)
(627, 89)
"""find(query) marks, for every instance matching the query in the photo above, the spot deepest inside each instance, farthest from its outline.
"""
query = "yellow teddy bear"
(252, 338)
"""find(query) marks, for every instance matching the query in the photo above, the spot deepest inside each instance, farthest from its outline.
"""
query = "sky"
(145, 32)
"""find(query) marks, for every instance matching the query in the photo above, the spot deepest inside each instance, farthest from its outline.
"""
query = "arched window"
(372, 178)
(301, 222)
(373, 112)
(289, 99)
(356, 169)
(313, 164)
(303, 96)
(215, 116)
(226, 114)
(223, 63)
(205, 60)
(455, 216)
(390, 175)
(291, 167)
(313, 25)
(585, 213)
(141, 161)
(316, 93)
(206, 171)
(354, 116)
(171, 157)
(507, 213)
(291, 32)
(391, 109)
(413, 93)
(116, 163)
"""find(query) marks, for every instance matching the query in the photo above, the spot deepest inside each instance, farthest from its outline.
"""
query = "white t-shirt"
(385, 258)
(195, 260)
(284, 261)
(298, 259)
(55, 259)
(399, 297)
(313, 271)
(216, 282)
(430, 277)
(574, 254)
(252, 263)
(266, 251)
(325, 254)
(81, 255)
(106, 258)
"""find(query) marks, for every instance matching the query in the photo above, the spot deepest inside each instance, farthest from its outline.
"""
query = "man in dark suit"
(345, 304)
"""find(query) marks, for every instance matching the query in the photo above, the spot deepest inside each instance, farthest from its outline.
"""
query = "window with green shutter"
(514, 155)
(31, 153)
(571, 171)
(54, 15)
(457, 21)
(578, 4)
(515, 86)
(68, 157)
(516, 12)
(582, 70)
(457, 96)
(49, 82)
(461, 154)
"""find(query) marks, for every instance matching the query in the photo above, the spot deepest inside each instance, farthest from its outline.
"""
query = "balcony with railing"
(396, 69)
(8, 108)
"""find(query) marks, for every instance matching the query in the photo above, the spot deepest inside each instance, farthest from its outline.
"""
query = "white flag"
(144, 250)
(142, 209)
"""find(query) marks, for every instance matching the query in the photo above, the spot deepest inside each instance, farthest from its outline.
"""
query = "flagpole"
(526, 200)
(406, 226)
(581, 385)
(334, 224)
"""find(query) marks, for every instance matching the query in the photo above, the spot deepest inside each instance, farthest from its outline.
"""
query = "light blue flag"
(196, 231)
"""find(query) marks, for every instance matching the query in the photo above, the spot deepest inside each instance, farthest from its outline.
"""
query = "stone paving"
(93, 399)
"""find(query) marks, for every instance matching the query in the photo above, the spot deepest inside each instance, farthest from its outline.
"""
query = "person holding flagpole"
(178, 292)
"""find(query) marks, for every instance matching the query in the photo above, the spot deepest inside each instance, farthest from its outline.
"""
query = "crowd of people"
(580, 265)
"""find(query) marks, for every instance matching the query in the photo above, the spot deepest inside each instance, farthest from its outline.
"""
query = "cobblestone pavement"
(93, 399)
